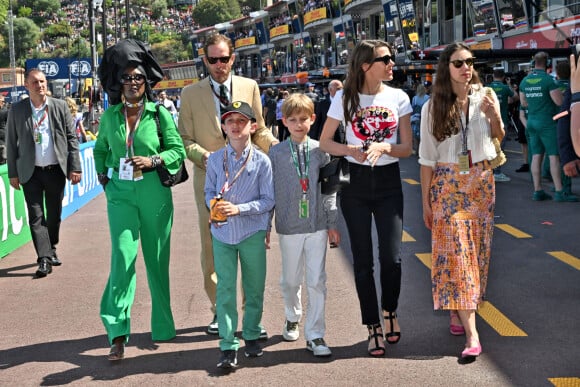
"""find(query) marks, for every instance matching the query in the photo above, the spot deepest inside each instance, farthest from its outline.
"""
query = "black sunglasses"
(128, 79)
(223, 59)
(385, 59)
(458, 63)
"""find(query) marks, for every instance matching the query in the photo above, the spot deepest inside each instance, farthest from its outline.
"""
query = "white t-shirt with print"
(376, 113)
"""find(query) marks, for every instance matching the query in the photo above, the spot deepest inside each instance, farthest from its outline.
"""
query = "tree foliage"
(210, 12)
(24, 12)
(54, 31)
(159, 9)
(31, 27)
(49, 6)
(26, 37)
(169, 51)
(38, 9)
(3, 11)
(253, 5)
(234, 9)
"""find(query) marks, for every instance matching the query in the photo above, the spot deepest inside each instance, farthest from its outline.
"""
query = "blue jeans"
(375, 192)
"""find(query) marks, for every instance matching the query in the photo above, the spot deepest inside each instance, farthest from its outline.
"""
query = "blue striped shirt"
(252, 192)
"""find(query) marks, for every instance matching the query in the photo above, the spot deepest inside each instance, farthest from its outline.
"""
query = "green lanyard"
(303, 176)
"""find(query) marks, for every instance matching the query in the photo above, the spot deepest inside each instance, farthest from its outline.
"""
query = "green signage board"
(14, 230)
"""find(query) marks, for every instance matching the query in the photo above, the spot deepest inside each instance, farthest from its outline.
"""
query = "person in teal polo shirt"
(505, 95)
(542, 97)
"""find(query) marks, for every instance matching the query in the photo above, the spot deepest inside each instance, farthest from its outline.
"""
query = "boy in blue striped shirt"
(239, 191)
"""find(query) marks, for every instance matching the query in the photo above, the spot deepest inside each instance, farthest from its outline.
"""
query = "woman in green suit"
(126, 154)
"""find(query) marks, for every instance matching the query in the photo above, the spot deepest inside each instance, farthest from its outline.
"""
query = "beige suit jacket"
(200, 128)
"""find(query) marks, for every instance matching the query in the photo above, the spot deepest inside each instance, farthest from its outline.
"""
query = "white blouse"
(479, 142)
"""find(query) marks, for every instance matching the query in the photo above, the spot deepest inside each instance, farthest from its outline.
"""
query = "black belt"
(47, 167)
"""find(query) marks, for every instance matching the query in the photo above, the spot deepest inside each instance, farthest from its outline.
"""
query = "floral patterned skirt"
(463, 207)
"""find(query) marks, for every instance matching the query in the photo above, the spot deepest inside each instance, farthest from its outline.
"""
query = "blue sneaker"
(541, 195)
(501, 177)
(564, 196)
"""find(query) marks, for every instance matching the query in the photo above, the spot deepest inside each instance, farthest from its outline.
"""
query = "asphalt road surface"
(52, 333)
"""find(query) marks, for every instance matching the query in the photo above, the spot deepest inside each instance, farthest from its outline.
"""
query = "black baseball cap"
(239, 107)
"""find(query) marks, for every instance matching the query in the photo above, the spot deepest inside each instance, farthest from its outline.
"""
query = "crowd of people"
(177, 21)
(256, 161)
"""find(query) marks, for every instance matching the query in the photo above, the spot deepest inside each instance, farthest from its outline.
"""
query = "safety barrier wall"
(14, 230)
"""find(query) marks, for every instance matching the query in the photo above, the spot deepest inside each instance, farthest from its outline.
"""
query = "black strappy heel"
(392, 332)
(378, 350)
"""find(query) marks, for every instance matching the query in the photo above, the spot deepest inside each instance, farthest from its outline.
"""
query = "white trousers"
(305, 254)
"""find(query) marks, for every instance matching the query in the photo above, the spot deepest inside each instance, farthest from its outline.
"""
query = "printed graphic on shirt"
(375, 123)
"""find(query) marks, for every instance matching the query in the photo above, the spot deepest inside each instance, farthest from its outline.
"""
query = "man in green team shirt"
(542, 97)
(505, 95)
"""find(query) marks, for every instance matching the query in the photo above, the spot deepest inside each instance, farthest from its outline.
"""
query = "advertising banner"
(243, 42)
(14, 230)
(280, 30)
(312, 16)
(62, 68)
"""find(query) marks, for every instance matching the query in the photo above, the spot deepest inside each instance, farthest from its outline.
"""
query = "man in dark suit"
(568, 158)
(42, 151)
(322, 108)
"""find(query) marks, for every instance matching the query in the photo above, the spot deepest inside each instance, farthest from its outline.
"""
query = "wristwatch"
(103, 178)
(155, 161)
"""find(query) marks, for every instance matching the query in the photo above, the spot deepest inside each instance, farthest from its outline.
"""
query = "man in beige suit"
(200, 128)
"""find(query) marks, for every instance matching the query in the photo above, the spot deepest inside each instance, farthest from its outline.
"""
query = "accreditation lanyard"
(303, 205)
(130, 133)
(465, 156)
(228, 185)
(38, 117)
(302, 175)
(464, 130)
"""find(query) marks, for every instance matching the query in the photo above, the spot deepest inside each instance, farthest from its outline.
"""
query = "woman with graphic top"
(458, 188)
(378, 133)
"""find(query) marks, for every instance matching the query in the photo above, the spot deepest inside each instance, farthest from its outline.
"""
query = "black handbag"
(334, 176)
(167, 179)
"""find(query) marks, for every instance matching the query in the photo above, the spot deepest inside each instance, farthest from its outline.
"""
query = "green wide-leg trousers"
(138, 210)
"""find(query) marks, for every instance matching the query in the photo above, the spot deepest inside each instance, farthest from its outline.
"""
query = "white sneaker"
(501, 177)
(290, 331)
(318, 347)
(213, 328)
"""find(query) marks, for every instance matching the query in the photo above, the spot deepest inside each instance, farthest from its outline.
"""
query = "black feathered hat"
(128, 53)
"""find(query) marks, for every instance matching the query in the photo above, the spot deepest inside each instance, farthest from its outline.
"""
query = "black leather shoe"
(44, 268)
(54, 261)
(117, 349)
(524, 168)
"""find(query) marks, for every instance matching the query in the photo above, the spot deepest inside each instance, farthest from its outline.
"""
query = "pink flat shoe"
(456, 330)
(472, 351)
